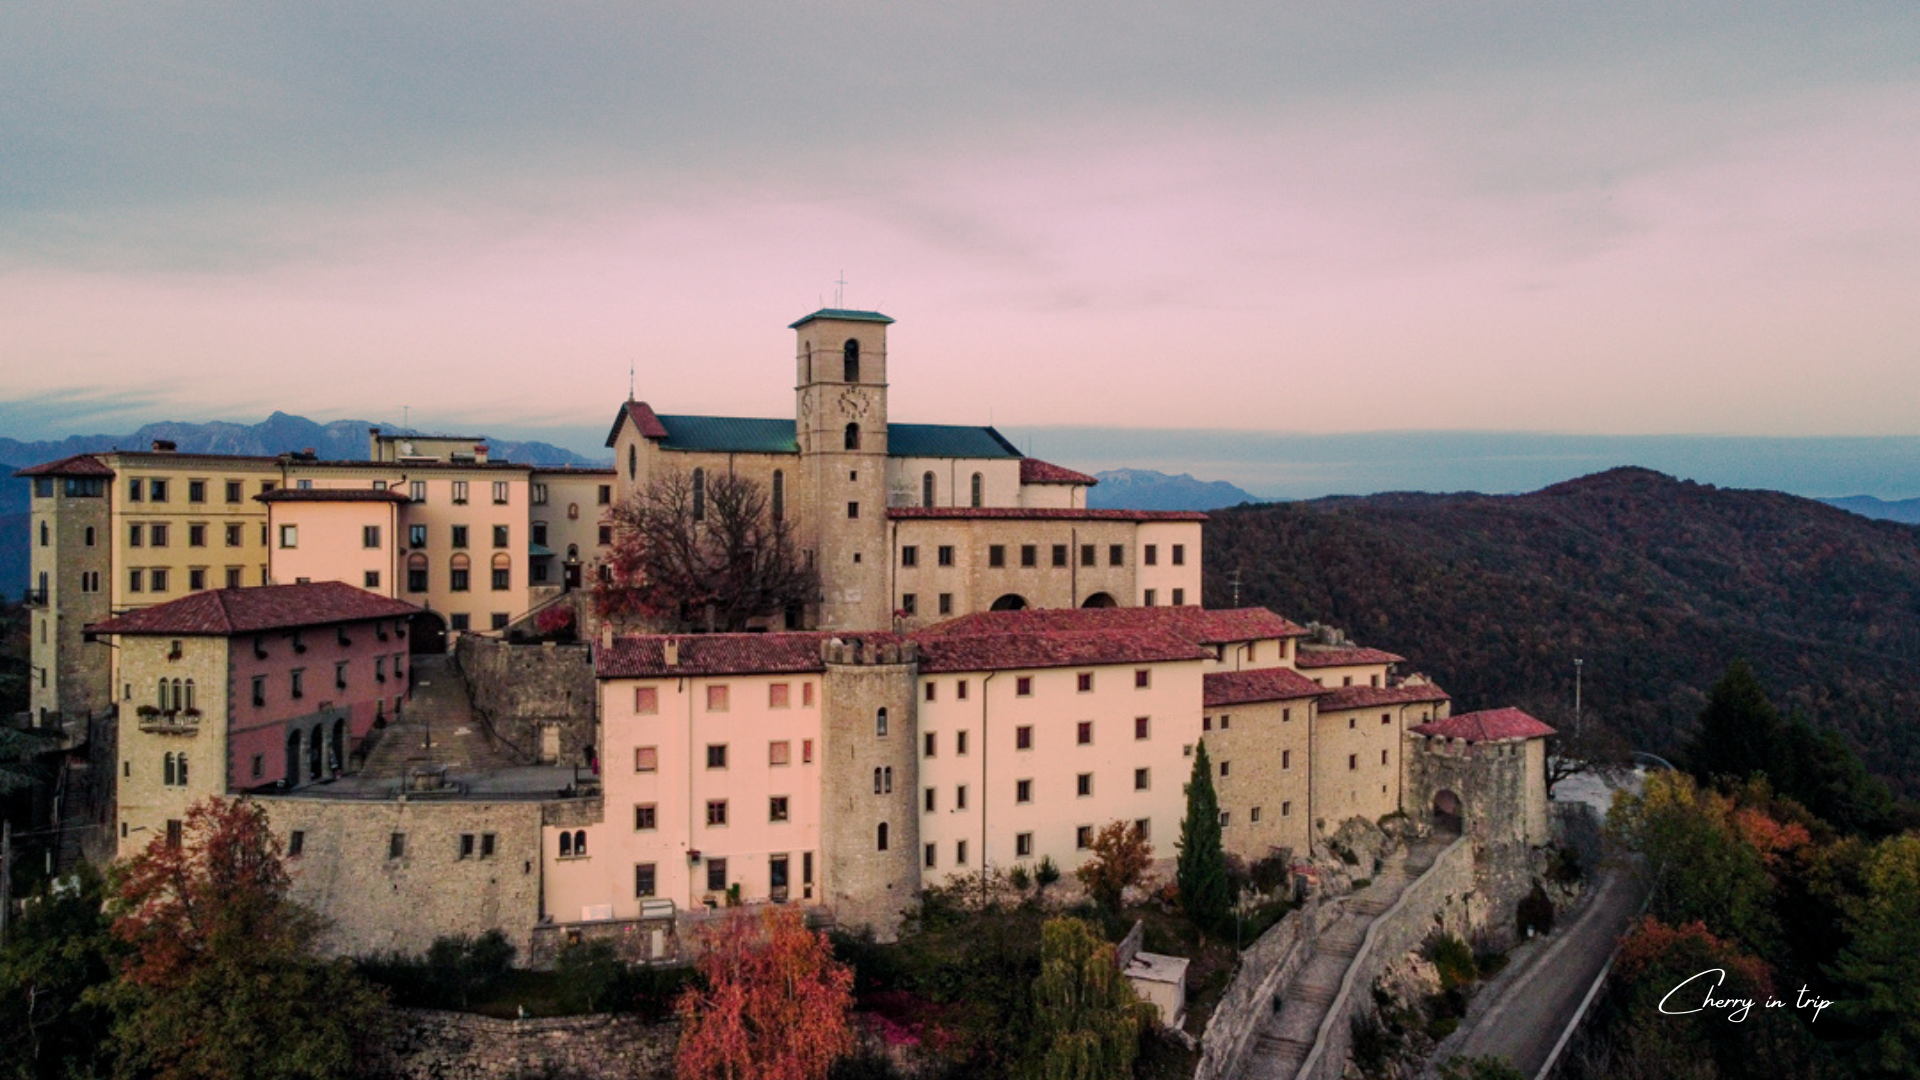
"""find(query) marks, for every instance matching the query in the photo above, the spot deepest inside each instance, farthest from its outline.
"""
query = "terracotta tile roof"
(1320, 656)
(1260, 684)
(225, 612)
(644, 655)
(1486, 726)
(1051, 649)
(1038, 513)
(331, 495)
(1035, 471)
(1368, 697)
(644, 421)
(1202, 626)
(77, 465)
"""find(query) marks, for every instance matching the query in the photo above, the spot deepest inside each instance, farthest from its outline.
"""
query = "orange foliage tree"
(222, 978)
(774, 1005)
(1121, 855)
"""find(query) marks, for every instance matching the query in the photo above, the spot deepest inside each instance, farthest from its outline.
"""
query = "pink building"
(292, 677)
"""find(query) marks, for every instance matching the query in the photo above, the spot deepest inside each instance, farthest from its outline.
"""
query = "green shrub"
(1566, 868)
(1535, 912)
(1441, 1027)
(1019, 878)
(1454, 959)
(1047, 874)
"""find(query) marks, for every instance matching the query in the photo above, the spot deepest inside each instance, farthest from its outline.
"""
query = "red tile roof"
(1053, 648)
(225, 612)
(1323, 657)
(644, 655)
(645, 420)
(1035, 471)
(1486, 726)
(77, 465)
(1040, 513)
(1368, 697)
(1202, 626)
(1260, 684)
(331, 495)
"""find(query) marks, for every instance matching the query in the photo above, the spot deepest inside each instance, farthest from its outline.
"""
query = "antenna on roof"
(629, 380)
(839, 290)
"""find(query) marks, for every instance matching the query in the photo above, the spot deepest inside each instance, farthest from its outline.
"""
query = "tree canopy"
(1206, 893)
(1089, 1021)
(775, 1004)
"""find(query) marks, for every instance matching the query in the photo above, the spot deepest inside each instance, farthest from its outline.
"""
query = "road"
(1532, 1005)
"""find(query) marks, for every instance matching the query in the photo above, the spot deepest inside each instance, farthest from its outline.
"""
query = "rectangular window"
(233, 535)
(946, 603)
(502, 581)
(1023, 845)
(1226, 721)
(298, 680)
(806, 695)
(1179, 554)
(927, 798)
(779, 752)
(196, 535)
(340, 675)
(259, 691)
(136, 535)
(460, 620)
(233, 491)
(136, 580)
(1083, 733)
(1353, 761)
(1023, 737)
(777, 695)
(929, 692)
(1286, 759)
(233, 577)
(996, 555)
(459, 533)
(196, 491)
(1083, 784)
(909, 603)
(416, 536)
(1023, 686)
(853, 511)
(537, 494)
(159, 534)
(909, 555)
(605, 536)
(716, 875)
(1085, 682)
(960, 743)
(1116, 554)
(717, 756)
(1023, 791)
(466, 845)
(1150, 600)
(1383, 757)
(396, 845)
(960, 853)
(157, 490)
(643, 880)
(459, 492)
(1086, 555)
(1083, 837)
(1179, 597)
(929, 743)
(417, 490)
(296, 842)
(1286, 809)
(369, 536)
(776, 808)
(1142, 727)
(717, 698)
(945, 554)
(459, 579)
(930, 856)
(499, 492)
(1142, 779)
(1029, 555)
(1226, 767)
(716, 811)
(196, 579)
(1059, 554)
(1143, 828)
(158, 577)
(960, 797)
(806, 751)
(135, 489)
(1150, 555)
(960, 689)
(606, 494)
(646, 758)
(646, 700)
(289, 536)
(500, 536)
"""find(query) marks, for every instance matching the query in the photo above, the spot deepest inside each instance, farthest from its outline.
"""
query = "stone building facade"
(69, 574)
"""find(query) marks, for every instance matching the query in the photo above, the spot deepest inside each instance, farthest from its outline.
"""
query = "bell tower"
(840, 421)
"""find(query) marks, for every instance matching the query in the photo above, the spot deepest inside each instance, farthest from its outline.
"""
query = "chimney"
(164, 446)
(480, 453)
(671, 647)
(606, 636)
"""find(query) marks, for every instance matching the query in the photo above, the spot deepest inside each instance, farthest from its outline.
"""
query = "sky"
(1244, 219)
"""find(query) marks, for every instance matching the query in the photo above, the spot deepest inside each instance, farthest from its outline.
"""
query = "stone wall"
(634, 940)
(862, 883)
(519, 691)
(425, 1044)
(1578, 826)
(1265, 968)
(375, 902)
(1438, 900)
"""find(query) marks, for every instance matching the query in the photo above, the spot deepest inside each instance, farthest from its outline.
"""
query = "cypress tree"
(1205, 891)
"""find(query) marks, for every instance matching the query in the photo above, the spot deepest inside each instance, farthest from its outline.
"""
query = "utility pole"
(1577, 664)
(1236, 586)
(6, 877)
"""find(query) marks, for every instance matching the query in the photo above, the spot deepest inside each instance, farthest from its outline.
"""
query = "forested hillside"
(1657, 583)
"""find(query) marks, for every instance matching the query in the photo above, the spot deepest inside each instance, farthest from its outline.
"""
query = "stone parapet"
(427, 1044)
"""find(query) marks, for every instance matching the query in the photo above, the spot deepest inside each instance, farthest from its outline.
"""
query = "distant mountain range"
(1655, 583)
(1145, 489)
(1907, 510)
(340, 440)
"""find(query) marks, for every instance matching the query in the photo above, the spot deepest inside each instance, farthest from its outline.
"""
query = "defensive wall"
(426, 1044)
(1264, 970)
(539, 700)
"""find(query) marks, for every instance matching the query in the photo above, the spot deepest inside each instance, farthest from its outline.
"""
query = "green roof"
(843, 315)
(539, 551)
(756, 435)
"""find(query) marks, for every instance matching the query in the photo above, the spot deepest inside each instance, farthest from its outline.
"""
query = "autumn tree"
(1121, 855)
(1708, 858)
(702, 552)
(55, 956)
(1089, 1021)
(774, 1004)
(223, 978)
(1205, 890)
(1878, 969)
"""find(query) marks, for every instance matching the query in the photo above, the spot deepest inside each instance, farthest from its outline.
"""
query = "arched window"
(579, 842)
(633, 461)
(779, 495)
(168, 771)
(161, 701)
(880, 723)
(183, 770)
(502, 572)
(853, 436)
(573, 551)
(189, 702)
(979, 490)
(416, 572)
(460, 573)
(566, 844)
(850, 354)
(178, 697)
(876, 780)
(699, 494)
(573, 511)
(46, 535)
(880, 837)
(926, 489)
(806, 366)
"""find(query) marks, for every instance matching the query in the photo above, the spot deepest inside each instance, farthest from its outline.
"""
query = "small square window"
(717, 756)
(1029, 555)
(996, 555)
(778, 695)
(1023, 686)
(944, 554)
(779, 752)
(716, 811)
(646, 758)
(717, 698)
(853, 511)
(646, 700)
(776, 808)
(1151, 599)
(1142, 678)
(645, 816)
(1085, 682)
(1059, 554)
(1116, 554)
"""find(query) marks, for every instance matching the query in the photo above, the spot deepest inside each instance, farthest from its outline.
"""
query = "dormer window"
(850, 357)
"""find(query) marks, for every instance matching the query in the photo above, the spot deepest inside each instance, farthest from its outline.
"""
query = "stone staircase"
(437, 725)
(1286, 1040)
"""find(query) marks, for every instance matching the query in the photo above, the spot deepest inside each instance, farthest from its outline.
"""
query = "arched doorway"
(293, 758)
(1100, 600)
(1010, 602)
(426, 633)
(338, 748)
(1446, 810)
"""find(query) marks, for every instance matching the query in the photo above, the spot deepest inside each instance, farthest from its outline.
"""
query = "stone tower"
(869, 817)
(840, 420)
(69, 583)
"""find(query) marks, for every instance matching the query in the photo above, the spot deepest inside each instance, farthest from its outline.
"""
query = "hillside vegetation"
(1657, 583)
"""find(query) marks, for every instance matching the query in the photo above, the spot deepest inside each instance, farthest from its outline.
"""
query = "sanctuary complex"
(990, 672)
